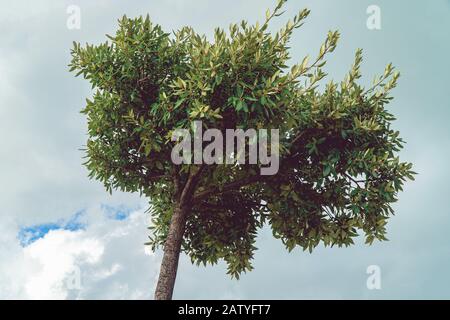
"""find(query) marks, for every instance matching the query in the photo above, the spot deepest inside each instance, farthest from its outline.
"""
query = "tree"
(339, 171)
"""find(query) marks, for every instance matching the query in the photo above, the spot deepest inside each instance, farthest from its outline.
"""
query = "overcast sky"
(62, 236)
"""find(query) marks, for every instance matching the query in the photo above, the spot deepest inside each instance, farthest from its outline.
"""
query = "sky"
(62, 236)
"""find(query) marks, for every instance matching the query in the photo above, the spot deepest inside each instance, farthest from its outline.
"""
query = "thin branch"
(227, 187)
(176, 182)
(355, 181)
(190, 185)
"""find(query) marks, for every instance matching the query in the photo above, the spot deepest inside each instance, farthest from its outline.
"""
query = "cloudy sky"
(63, 237)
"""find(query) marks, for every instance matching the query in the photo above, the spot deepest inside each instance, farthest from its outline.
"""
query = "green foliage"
(339, 172)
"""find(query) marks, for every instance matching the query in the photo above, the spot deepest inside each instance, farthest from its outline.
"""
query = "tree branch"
(227, 187)
(190, 185)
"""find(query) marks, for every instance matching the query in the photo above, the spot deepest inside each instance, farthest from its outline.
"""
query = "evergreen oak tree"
(339, 172)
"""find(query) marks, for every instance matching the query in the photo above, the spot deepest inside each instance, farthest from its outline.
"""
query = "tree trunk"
(172, 248)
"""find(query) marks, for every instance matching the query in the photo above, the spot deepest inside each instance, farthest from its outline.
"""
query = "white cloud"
(109, 257)
(57, 255)
(42, 179)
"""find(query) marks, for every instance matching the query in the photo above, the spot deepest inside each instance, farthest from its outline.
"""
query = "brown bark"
(172, 248)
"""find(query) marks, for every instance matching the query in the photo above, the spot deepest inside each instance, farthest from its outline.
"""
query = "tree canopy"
(339, 167)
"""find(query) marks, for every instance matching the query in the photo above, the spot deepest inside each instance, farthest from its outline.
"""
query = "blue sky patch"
(120, 212)
(28, 235)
